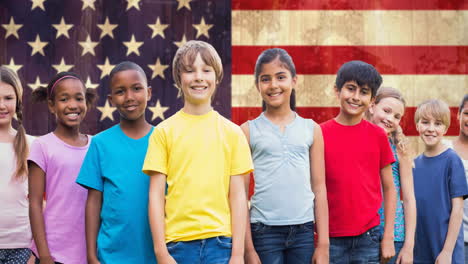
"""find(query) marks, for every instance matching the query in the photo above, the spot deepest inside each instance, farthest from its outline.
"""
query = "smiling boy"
(358, 161)
(204, 159)
(440, 188)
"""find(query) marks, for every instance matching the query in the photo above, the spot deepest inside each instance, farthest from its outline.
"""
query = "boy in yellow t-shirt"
(203, 158)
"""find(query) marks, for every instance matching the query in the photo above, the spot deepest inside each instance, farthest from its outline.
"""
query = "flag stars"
(12, 28)
(37, 84)
(133, 46)
(158, 69)
(183, 3)
(38, 4)
(202, 28)
(89, 84)
(181, 42)
(107, 111)
(88, 3)
(133, 3)
(105, 68)
(107, 28)
(88, 46)
(158, 111)
(158, 28)
(14, 67)
(37, 46)
(62, 28)
(62, 67)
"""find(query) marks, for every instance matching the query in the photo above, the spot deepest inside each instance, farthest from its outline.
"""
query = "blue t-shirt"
(437, 180)
(113, 166)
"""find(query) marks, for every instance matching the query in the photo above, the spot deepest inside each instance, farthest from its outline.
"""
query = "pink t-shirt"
(354, 156)
(64, 213)
(15, 231)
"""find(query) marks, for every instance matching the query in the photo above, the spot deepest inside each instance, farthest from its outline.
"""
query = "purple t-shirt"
(64, 213)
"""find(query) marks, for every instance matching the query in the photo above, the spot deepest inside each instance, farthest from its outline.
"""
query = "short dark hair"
(465, 100)
(127, 65)
(361, 72)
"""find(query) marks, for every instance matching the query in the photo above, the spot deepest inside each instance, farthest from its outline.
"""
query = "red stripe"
(322, 114)
(349, 5)
(387, 59)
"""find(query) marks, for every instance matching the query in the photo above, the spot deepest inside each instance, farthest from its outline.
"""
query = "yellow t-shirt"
(198, 153)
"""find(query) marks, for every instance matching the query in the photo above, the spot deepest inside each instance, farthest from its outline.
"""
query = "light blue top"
(399, 229)
(113, 166)
(283, 194)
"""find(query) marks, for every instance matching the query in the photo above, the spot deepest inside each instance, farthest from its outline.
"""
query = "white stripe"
(317, 90)
(374, 27)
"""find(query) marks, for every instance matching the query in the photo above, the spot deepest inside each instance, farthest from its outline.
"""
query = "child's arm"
(93, 221)
(456, 216)
(409, 205)
(251, 256)
(389, 192)
(36, 217)
(156, 207)
(317, 173)
(238, 204)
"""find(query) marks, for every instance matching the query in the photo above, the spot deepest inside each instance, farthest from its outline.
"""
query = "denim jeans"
(215, 250)
(289, 244)
(364, 248)
(466, 252)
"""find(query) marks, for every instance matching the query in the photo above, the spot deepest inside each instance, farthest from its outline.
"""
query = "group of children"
(345, 191)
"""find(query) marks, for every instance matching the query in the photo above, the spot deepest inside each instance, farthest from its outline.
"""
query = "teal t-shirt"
(113, 166)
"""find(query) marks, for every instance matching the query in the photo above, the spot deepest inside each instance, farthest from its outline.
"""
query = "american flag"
(419, 46)
(39, 38)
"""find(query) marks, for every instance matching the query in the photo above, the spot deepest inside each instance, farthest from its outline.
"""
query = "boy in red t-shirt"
(358, 161)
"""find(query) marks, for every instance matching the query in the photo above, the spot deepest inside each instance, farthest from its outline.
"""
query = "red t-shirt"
(354, 156)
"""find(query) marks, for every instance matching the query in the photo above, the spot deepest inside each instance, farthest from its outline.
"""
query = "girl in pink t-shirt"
(15, 233)
(54, 163)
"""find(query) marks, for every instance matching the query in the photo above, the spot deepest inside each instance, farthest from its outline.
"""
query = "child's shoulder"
(108, 134)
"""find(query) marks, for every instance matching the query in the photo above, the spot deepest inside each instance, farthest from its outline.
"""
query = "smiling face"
(198, 83)
(387, 114)
(354, 99)
(69, 103)
(7, 104)
(129, 94)
(275, 84)
(431, 130)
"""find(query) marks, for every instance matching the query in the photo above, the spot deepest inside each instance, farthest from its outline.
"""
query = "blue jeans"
(364, 248)
(290, 244)
(215, 250)
(466, 252)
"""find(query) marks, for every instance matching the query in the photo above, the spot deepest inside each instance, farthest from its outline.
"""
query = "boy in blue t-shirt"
(440, 187)
(117, 227)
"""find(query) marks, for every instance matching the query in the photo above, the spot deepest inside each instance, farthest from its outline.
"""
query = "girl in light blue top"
(287, 151)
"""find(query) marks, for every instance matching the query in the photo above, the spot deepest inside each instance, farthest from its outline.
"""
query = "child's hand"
(236, 260)
(321, 255)
(46, 260)
(444, 257)
(251, 257)
(405, 256)
(388, 250)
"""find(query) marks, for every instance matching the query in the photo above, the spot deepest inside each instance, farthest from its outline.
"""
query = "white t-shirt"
(449, 144)
(15, 231)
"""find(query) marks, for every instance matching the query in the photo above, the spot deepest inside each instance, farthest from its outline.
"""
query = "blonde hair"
(20, 145)
(397, 137)
(435, 108)
(186, 55)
